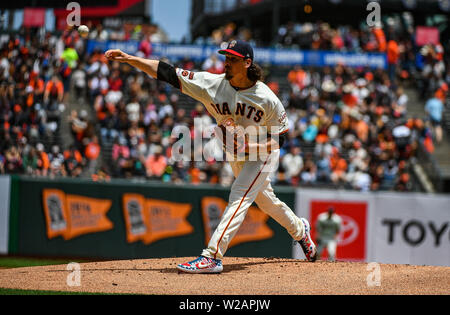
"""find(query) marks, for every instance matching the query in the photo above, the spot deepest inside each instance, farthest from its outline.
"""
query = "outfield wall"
(394, 228)
(126, 220)
(123, 219)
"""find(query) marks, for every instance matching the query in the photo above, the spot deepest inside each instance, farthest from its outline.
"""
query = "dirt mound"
(241, 276)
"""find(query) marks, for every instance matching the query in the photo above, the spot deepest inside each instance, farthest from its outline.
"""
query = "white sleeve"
(195, 84)
(277, 122)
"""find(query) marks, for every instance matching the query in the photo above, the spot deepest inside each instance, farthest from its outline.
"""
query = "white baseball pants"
(252, 184)
(330, 245)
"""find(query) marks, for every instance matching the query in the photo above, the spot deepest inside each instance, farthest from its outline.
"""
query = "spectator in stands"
(133, 110)
(360, 180)
(30, 162)
(213, 65)
(434, 107)
(79, 125)
(56, 159)
(433, 69)
(13, 161)
(442, 91)
(338, 168)
(292, 164)
(348, 117)
(92, 150)
(179, 172)
(156, 163)
(73, 161)
(79, 79)
(43, 160)
(35, 89)
(403, 182)
(54, 92)
(99, 32)
(323, 168)
(57, 169)
(400, 103)
(98, 85)
(393, 55)
(120, 155)
(298, 78)
(69, 60)
(308, 174)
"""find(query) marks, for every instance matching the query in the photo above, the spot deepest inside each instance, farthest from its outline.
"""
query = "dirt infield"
(241, 276)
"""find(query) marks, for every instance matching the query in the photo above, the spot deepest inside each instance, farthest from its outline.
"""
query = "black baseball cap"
(238, 48)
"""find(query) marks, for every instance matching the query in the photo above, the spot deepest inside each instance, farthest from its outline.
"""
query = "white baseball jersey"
(328, 227)
(255, 106)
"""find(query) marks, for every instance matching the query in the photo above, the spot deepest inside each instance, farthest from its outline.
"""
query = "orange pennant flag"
(150, 220)
(254, 227)
(71, 216)
(166, 219)
(86, 215)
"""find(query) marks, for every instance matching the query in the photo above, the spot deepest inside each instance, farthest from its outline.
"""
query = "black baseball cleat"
(306, 243)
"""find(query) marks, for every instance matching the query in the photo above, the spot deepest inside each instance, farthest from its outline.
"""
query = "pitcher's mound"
(241, 276)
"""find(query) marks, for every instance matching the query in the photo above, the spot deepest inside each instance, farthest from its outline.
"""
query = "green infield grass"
(16, 262)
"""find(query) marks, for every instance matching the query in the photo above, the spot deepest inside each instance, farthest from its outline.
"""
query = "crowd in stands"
(146, 33)
(35, 78)
(348, 126)
(355, 125)
(426, 66)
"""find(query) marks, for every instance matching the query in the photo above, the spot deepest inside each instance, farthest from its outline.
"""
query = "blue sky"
(173, 16)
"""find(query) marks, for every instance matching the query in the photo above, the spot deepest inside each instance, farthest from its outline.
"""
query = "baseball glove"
(232, 137)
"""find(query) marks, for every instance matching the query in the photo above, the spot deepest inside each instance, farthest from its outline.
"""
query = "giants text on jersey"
(255, 106)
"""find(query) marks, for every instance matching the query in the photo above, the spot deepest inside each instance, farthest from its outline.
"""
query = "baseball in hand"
(83, 30)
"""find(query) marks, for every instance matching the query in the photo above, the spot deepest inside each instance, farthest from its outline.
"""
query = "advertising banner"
(5, 187)
(352, 207)
(396, 228)
(352, 236)
(412, 229)
(280, 57)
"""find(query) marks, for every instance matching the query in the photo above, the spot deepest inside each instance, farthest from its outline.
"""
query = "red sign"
(33, 17)
(427, 35)
(352, 237)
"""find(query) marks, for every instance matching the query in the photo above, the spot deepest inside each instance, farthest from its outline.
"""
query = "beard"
(228, 74)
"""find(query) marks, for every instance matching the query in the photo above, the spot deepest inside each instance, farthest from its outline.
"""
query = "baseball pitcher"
(237, 99)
